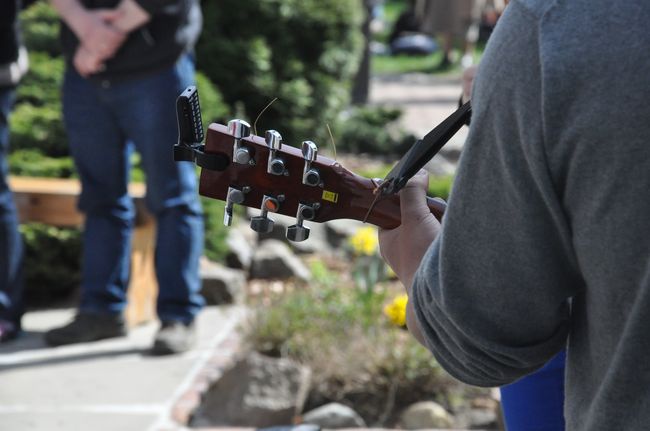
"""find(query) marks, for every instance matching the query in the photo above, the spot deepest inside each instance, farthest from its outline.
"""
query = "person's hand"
(128, 16)
(404, 247)
(96, 34)
(86, 62)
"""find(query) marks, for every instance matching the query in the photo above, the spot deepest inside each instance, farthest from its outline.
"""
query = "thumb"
(413, 198)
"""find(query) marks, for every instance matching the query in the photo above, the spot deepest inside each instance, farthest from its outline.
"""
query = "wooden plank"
(53, 201)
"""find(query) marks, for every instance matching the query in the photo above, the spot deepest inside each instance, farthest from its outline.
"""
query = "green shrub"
(52, 262)
(216, 248)
(372, 130)
(213, 108)
(42, 84)
(304, 52)
(39, 128)
(32, 163)
(40, 26)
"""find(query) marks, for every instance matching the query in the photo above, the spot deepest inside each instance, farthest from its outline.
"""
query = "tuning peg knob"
(310, 175)
(298, 232)
(240, 129)
(273, 140)
(233, 197)
(262, 223)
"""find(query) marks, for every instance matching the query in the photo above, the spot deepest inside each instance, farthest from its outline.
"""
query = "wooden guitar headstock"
(262, 173)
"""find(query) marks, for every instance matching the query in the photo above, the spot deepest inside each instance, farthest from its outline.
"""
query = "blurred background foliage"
(304, 52)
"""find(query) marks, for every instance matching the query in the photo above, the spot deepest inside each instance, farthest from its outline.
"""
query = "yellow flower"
(364, 241)
(396, 310)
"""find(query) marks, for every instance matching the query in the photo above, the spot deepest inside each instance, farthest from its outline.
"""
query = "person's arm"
(128, 16)
(91, 28)
(490, 298)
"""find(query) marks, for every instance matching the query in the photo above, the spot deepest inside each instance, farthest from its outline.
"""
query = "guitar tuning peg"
(310, 175)
(234, 196)
(240, 129)
(299, 232)
(273, 140)
(262, 223)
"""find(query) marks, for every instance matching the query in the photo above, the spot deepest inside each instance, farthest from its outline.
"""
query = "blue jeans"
(11, 245)
(104, 122)
(536, 402)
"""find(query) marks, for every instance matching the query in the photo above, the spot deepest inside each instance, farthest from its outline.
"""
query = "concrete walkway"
(425, 101)
(107, 385)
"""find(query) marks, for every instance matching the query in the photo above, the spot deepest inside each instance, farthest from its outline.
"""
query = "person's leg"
(536, 402)
(149, 119)
(11, 246)
(101, 157)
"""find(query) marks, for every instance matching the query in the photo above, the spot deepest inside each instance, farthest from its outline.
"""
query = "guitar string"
(332, 139)
(260, 114)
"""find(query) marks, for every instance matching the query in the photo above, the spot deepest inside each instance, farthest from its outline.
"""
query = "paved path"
(107, 385)
(425, 101)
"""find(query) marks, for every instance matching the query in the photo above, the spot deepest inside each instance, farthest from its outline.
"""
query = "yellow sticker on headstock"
(330, 196)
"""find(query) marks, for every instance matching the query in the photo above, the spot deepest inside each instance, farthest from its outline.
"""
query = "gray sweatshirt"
(546, 240)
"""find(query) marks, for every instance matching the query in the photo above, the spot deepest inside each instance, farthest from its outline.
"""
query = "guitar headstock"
(267, 174)
(274, 177)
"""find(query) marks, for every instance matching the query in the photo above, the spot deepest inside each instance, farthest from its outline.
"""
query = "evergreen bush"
(304, 52)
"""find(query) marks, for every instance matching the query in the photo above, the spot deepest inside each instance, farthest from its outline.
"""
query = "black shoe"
(87, 327)
(174, 337)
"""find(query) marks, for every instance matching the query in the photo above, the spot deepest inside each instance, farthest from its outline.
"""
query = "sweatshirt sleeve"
(492, 295)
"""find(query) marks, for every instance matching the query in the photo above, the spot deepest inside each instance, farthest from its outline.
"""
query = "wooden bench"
(54, 202)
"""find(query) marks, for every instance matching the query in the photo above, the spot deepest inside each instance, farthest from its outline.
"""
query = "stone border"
(224, 356)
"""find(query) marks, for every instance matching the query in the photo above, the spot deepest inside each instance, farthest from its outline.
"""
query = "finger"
(413, 197)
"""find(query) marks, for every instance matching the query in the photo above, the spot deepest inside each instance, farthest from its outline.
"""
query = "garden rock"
(338, 231)
(274, 260)
(334, 415)
(426, 414)
(478, 419)
(221, 285)
(258, 391)
(317, 241)
(241, 243)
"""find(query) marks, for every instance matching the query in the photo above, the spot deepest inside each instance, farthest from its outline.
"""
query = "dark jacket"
(9, 36)
(174, 27)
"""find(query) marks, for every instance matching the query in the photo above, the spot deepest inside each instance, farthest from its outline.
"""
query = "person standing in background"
(451, 20)
(127, 61)
(13, 65)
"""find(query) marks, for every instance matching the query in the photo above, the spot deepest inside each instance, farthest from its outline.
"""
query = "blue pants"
(105, 121)
(11, 246)
(536, 402)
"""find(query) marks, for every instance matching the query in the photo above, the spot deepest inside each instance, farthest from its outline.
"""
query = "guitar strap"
(424, 149)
